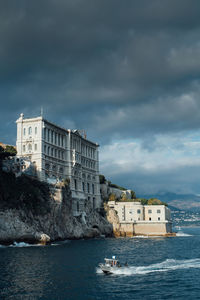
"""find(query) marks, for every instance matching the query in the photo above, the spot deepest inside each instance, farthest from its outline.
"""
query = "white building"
(60, 153)
(135, 218)
(135, 211)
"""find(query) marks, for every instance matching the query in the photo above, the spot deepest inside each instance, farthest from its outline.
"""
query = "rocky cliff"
(30, 211)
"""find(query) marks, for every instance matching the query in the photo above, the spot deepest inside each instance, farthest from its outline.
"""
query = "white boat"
(110, 265)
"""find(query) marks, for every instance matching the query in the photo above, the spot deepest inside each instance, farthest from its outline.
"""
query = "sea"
(158, 268)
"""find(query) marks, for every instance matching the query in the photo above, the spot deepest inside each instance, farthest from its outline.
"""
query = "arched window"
(30, 130)
(24, 131)
(29, 147)
(48, 149)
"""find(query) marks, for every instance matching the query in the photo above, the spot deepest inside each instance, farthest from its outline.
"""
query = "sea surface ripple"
(159, 268)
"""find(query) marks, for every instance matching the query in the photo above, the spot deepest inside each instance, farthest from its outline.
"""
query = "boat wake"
(165, 266)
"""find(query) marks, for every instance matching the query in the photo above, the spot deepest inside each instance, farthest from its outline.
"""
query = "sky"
(128, 72)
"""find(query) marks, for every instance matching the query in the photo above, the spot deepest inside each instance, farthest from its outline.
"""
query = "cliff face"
(31, 211)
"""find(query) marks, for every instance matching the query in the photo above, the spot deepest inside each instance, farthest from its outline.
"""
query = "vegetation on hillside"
(24, 193)
(7, 151)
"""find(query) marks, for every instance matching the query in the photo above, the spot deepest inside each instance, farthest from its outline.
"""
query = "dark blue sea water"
(159, 268)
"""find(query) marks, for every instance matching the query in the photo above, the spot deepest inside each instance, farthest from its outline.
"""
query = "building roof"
(80, 133)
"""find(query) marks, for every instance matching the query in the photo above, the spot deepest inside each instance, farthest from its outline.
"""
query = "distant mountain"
(181, 201)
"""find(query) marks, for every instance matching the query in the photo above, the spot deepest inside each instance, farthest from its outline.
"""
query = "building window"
(62, 155)
(149, 211)
(55, 138)
(52, 137)
(139, 211)
(62, 141)
(88, 187)
(55, 152)
(35, 130)
(75, 184)
(45, 131)
(48, 149)
(93, 189)
(51, 151)
(58, 153)
(94, 202)
(29, 147)
(149, 219)
(83, 186)
(24, 148)
(158, 211)
(47, 166)
(24, 131)
(48, 135)
(158, 218)
(30, 130)
(77, 206)
(35, 147)
(45, 149)
(58, 139)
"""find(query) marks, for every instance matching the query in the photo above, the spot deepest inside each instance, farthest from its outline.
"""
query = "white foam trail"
(140, 237)
(22, 244)
(167, 265)
(180, 233)
(146, 236)
(99, 271)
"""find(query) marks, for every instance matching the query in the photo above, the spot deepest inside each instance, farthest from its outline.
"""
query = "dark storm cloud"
(115, 68)
(123, 70)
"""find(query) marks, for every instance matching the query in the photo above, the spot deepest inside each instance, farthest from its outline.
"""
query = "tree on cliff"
(7, 151)
(155, 201)
(112, 197)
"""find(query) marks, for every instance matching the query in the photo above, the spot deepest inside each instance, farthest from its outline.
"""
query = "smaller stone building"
(133, 218)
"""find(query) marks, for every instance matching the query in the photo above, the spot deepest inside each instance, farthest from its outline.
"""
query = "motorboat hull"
(108, 269)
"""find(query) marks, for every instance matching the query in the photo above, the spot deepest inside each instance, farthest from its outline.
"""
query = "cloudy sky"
(126, 71)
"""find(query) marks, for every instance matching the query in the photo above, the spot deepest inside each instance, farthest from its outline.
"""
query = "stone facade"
(133, 218)
(60, 153)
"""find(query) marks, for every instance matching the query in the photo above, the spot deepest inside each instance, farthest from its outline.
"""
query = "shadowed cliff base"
(29, 212)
